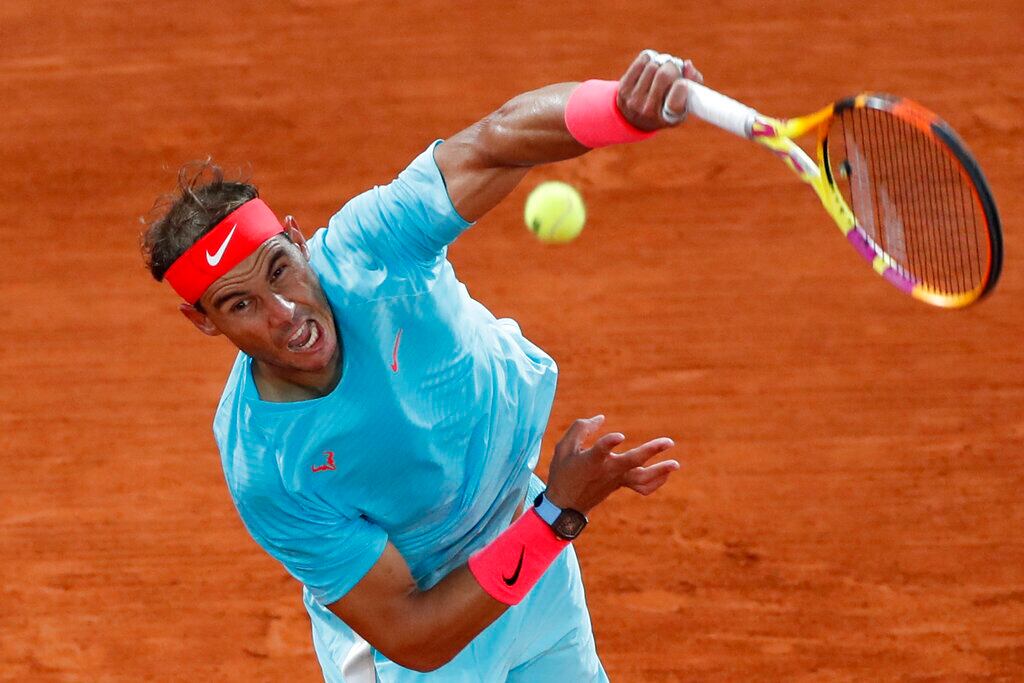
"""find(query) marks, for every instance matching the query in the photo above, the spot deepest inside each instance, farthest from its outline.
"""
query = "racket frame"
(779, 136)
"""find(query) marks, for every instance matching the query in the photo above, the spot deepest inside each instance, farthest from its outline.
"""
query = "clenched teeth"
(309, 328)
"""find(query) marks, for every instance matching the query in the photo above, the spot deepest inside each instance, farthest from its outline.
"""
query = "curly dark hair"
(202, 200)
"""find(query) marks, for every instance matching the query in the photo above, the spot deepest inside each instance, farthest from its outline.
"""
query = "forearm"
(420, 630)
(482, 164)
(443, 620)
(501, 573)
(423, 630)
(530, 129)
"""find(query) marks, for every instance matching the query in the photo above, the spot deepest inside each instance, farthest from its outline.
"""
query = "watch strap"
(546, 510)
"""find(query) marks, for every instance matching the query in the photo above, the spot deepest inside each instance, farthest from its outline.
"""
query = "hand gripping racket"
(898, 181)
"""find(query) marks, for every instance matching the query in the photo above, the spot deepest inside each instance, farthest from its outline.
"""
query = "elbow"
(429, 665)
(421, 658)
(421, 650)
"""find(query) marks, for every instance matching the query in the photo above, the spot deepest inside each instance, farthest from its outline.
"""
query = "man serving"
(379, 429)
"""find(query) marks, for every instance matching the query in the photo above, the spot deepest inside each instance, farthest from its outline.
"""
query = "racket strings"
(911, 198)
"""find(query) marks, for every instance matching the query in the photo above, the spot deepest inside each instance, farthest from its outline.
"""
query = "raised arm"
(423, 630)
(482, 164)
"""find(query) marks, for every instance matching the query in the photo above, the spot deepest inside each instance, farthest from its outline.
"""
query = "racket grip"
(719, 110)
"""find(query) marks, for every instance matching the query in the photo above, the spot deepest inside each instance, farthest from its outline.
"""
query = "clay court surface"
(852, 501)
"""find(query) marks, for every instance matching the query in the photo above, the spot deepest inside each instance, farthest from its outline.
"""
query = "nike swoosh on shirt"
(214, 259)
(394, 353)
(511, 580)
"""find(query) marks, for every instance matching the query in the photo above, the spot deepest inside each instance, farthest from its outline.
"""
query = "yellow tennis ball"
(555, 212)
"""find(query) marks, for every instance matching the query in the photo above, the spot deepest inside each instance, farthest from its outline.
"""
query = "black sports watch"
(566, 523)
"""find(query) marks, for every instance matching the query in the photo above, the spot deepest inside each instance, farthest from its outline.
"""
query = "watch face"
(569, 524)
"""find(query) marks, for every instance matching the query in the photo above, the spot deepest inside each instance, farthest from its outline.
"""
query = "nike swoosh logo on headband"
(214, 259)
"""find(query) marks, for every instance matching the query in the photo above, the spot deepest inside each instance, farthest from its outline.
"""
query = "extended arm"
(482, 164)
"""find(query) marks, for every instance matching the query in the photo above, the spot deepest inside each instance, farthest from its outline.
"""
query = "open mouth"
(305, 338)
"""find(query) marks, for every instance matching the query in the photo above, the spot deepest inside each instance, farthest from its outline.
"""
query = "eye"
(240, 305)
(278, 272)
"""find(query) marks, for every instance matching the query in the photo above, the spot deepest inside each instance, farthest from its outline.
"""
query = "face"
(272, 307)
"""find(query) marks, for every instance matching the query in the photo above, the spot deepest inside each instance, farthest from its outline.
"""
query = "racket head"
(911, 198)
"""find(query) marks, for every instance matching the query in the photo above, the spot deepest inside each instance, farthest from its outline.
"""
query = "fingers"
(645, 475)
(647, 480)
(637, 97)
(652, 93)
(674, 108)
(690, 72)
(602, 448)
(581, 430)
(664, 77)
(644, 452)
(649, 74)
(651, 486)
(628, 81)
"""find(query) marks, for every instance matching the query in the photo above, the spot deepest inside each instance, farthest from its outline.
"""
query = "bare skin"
(265, 301)
(273, 299)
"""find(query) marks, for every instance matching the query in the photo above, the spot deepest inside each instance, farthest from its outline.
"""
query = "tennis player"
(379, 429)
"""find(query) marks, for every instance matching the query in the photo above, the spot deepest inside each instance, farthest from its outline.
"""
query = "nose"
(280, 310)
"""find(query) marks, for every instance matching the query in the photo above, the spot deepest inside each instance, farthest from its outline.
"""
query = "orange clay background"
(852, 500)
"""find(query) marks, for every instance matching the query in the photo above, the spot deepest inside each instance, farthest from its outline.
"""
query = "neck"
(285, 385)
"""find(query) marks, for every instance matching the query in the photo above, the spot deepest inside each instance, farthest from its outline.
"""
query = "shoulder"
(406, 222)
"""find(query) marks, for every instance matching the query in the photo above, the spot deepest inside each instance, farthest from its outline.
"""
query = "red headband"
(229, 243)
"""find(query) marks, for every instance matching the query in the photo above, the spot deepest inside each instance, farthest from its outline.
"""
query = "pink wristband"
(594, 119)
(509, 566)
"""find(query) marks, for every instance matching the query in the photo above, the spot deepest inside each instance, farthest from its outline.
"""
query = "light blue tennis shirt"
(432, 433)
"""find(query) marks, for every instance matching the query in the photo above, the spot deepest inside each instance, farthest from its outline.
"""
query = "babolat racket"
(898, 181)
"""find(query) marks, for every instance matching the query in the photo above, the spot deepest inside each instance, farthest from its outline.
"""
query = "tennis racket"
(898, 181)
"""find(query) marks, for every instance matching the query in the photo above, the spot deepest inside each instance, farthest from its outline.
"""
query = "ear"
(296, 236)
(199, 319)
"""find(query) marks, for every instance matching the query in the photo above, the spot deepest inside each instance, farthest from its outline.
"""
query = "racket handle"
(719, 110)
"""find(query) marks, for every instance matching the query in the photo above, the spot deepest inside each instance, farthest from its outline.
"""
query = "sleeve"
(329, 554)
(406, 222)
